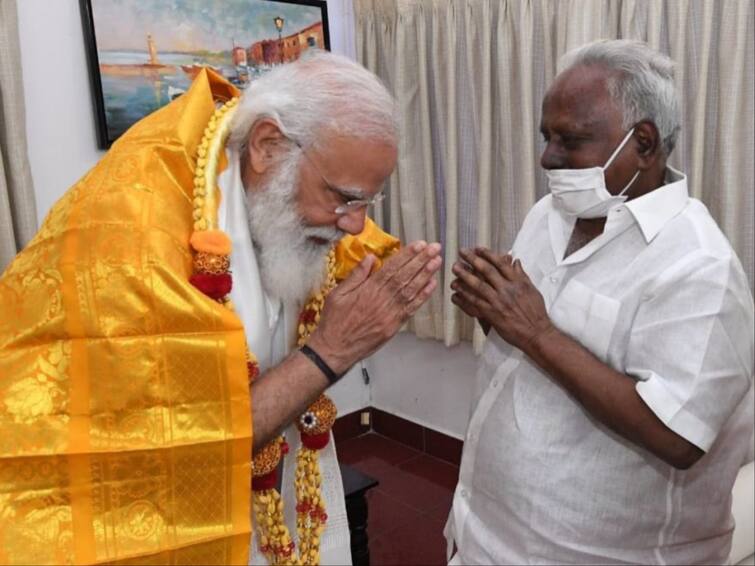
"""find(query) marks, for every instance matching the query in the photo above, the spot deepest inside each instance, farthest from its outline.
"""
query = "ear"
(648, 144)
(264, 144)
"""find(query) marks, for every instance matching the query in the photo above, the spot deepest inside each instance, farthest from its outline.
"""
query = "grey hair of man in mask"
(613, 107)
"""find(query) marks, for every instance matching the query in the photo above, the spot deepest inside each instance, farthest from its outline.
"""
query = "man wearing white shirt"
(614, 399)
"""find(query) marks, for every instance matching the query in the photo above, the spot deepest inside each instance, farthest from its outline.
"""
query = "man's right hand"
(366, 310)
(462, 301)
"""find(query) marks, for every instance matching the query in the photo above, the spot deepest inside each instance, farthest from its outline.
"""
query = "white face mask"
(582, 192)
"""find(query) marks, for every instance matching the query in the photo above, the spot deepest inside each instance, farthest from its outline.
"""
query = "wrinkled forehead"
(358, 163)
(580, 96)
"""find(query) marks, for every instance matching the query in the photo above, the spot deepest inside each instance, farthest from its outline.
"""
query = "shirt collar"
(653, 210)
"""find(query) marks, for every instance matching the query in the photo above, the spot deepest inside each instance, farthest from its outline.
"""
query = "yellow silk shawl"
(125, 418)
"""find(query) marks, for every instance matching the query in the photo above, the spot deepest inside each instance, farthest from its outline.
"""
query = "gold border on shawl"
(79, 445)
(241, 426)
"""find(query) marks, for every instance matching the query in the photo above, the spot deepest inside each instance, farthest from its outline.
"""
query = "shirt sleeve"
(691, 346)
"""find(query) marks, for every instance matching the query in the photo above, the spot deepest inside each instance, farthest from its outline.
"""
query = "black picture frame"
(110, 123)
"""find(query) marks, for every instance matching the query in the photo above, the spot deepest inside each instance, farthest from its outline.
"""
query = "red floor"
(408, 510)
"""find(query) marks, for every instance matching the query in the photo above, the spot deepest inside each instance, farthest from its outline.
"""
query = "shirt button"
(464, 493)
(554, 279)
(472, 436)
(494, 383)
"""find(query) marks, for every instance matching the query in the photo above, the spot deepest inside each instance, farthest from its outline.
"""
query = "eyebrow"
(577, 128)
(350, 193)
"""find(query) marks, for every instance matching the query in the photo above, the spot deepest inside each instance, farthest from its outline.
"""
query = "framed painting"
(144, 53)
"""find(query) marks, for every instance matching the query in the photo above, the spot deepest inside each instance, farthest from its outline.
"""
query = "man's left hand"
(497, 286)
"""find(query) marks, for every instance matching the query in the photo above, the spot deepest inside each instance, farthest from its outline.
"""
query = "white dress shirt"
(662, 297)
(270, 328)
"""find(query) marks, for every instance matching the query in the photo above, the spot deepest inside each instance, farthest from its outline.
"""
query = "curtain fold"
(18, 217)
(470, 75)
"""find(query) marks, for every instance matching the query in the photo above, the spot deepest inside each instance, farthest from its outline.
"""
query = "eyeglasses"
(352, 204)
(357, 204)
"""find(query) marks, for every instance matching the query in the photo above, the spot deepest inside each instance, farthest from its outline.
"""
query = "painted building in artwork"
(239, 56)
(288, 48)
(255, 53)
(265, 52)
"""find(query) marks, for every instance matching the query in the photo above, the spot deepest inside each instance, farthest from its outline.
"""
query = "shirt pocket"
(586, 316)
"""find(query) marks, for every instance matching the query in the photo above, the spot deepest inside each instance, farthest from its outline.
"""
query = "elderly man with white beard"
(219, 249)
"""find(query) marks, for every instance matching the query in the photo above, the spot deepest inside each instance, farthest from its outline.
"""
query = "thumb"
(359, 274)
(519, 270)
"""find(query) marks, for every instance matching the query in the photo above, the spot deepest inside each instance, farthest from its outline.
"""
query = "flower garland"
(212, 276)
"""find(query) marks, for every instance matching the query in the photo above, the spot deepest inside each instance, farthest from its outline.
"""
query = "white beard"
(292, 267)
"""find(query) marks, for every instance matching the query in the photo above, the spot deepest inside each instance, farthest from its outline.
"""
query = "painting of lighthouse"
(144, 53)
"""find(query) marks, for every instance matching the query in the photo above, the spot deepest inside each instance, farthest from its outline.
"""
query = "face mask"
(582, 192)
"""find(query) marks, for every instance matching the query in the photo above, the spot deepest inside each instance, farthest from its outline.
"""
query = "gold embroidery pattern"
(124, 402)
(39, 393)
(40, 519)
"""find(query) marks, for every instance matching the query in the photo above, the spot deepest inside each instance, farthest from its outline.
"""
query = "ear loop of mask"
(618, 149)
(613, 156)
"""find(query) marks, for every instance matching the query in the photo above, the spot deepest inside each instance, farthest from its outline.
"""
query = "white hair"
(291, 265)
(642, 86)
(319, 93)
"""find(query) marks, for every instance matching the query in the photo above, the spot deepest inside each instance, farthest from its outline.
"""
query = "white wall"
(419, 380)
(425, 382)
(60, 122)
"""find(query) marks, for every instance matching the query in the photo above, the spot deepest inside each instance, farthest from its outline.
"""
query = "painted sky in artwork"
(191, 25)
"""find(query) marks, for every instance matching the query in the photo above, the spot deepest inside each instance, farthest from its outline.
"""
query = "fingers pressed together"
(410, 274)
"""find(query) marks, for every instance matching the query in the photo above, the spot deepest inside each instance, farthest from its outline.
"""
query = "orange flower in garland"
(211, 241)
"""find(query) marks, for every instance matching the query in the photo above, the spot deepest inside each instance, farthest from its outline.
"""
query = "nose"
(550, 158)
(352, 222)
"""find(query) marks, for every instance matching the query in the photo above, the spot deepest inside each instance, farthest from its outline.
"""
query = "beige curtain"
(18, 219)
(470, 75)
